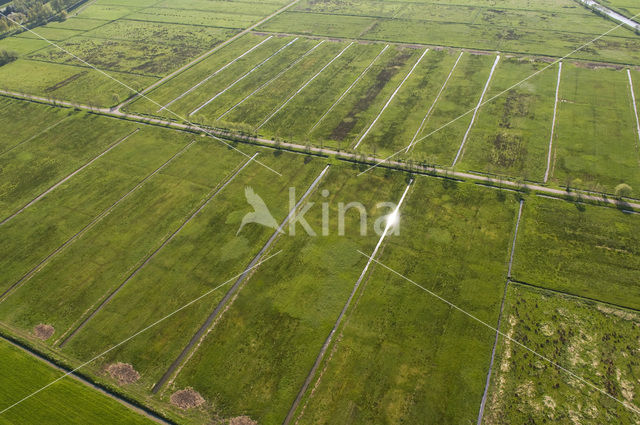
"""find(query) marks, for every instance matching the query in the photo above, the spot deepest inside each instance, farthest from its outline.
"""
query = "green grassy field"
(442, 135)
(69, 82)
(595, 141)
(399, 343)
(181, 84)
(519, 26)
(67, 401)
(135, 42)
(583, 250)
(259, 353)
(84, 274)
(511, 133)
(42, 228)
(590, 339)
(208, 252)
(403, 118)
(160, 217)
(34, 166)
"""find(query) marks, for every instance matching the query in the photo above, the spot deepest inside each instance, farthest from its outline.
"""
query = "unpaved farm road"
(612, 14)
(352, 157)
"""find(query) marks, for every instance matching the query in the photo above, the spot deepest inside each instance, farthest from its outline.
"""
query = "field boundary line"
(329, 339)
(216, 72)
(286, 102)
(86, 228)
(187, 352)
(406, 77)
(433, 105)
(212, 194)
(631, 407)
(635, 106)
(576, 296)
(553, 124)
(344, 94)
(594, 198)
(124, 341)
(504, 297)
(281, 73)
(139, 409)
(68, 177)
(35, 135)
(117, 112)
(204, 56)
(475, 112)
(245, 75)
(380, 161)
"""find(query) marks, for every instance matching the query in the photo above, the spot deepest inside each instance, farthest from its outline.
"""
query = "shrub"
(623, 190)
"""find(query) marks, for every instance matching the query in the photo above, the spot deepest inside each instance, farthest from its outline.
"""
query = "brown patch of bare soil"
(43, 331)
(123, 373)
(242, 420)
(186, 399)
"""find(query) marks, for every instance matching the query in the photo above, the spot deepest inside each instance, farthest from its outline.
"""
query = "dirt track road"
(367, 160)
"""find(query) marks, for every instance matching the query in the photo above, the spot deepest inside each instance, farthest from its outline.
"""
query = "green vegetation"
(580, 249)
(7, 57)
(511, 133)
(442, 135)
(550, 29)
(259, 353)
(33, 166)
(401, 120)
(398, 343)
(135, 219)
(205, 254)
(45, 226)
(66, 401)
(592, 340)
(74, 281)
(596, 137)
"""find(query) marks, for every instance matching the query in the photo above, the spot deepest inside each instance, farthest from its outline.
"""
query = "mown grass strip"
(390, 99)
(245, 75)
(88, 227)
(475, 112)
(210, 76)
(553, 122)
(64, 339)
(266, 120)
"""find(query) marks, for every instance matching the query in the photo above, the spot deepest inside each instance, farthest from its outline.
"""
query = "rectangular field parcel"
(398, 342)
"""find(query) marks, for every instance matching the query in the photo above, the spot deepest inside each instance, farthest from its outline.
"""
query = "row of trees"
(33, 12)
